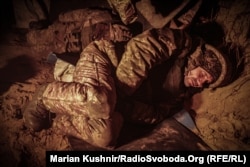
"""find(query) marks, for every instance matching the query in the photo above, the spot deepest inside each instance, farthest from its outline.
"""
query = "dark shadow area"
(211, 32)
(165, 8)
(6, 15)
(71, 58)
(160, 6)
(14, 36)
(42, 23)
(208, 9)
(136, 28)
(18, 69)
(7, 18)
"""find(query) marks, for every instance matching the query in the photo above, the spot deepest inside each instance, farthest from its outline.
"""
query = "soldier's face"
(197, 77)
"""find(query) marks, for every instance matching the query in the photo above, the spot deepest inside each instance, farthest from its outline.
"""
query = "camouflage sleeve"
(144, 52)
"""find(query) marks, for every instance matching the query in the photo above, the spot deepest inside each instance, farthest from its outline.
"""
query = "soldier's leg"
(98, 132)
(35, 115)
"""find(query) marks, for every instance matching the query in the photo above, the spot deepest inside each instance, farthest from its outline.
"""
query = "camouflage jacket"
(146, 85)
(150, 75)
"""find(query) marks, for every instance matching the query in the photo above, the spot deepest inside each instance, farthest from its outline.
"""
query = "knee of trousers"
(101, 103)
(108, 135)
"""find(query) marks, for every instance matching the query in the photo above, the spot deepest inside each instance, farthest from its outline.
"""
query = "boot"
(35, 115)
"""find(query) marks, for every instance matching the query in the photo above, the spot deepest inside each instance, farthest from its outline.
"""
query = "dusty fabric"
(147, 50)
(92, 92)
(87, 102)
(125, 9)
(72, 32)
(63, 71)
(92, 83)
(149, 75)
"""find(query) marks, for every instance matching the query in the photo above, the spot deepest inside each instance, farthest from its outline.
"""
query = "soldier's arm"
(145, 51)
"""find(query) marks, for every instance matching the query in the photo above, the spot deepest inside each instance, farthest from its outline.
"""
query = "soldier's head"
(207, 67)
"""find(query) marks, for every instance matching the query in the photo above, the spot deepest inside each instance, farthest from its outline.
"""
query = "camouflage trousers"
(84, 97)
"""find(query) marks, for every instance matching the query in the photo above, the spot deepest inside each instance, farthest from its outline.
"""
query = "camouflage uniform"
(150, 75)
(145, 86)
(125, 9)
(86, 103)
